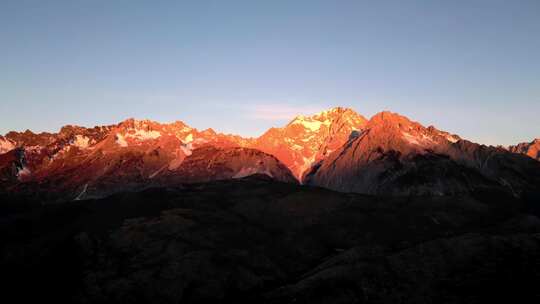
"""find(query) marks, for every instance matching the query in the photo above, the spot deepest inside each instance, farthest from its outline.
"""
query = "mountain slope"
(337, 149)
(11, 167)
(531, 149)
(306, 140)
(211, 163)
(254, 240)
(394, 155)
(81, 162)
(6, 145)
(78, 162)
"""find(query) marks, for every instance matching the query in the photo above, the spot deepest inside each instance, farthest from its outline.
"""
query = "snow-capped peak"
(308, 123)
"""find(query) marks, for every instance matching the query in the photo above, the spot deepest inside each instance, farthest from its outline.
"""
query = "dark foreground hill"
(254, 240)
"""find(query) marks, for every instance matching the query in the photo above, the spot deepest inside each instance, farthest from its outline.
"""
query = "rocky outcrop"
(12, 168)
(336, 149)
(79, 162)
(109, 171)
(396, 156)
(211, 163)
(308, 139)
(531, 149)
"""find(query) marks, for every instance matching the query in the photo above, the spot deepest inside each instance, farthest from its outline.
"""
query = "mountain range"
(338, 149)
(330, 208)
(531, 149)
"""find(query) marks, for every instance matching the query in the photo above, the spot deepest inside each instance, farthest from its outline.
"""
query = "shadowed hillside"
(257, 240)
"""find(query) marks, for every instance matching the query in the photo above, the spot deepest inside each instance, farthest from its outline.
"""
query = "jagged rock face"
(6, 145)
(85, 163)
(306, 140)
(41, 149)
(514, 172)
(211, 163)
(396, 156)
(531, 149)
(128, 170)
(337, 149)
(12, 165)
(29, 138)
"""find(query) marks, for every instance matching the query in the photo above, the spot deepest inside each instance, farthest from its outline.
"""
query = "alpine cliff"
(396, 156)
(145, 212)
(337, 149)
(531, 149)
(308, 139)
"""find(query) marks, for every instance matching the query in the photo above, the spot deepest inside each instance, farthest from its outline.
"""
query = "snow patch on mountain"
(121, 141)
(308, 123)
(422, 140)
(144, 134)
(452, 139)
(79, 197)
(23, 173)
(427, 139)
(297, 147)
(33, 149)
(188, 138)
(308, 138)
(81, 141)
(187, 149)
(307, 162)
(410, 138)
(157, 172)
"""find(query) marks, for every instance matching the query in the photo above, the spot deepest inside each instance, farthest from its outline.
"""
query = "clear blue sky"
(468, 67)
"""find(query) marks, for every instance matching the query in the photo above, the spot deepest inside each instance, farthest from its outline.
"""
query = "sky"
(468, 67)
